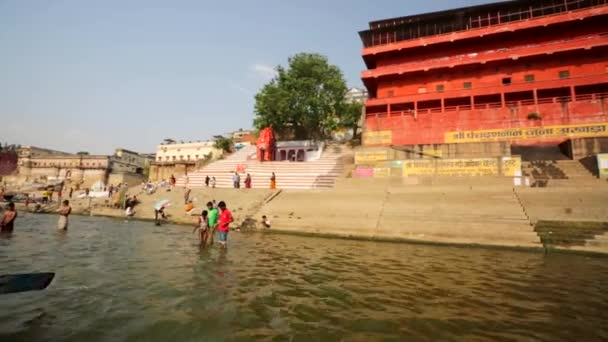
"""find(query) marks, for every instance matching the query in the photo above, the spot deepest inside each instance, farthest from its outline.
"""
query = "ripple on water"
(120, 280)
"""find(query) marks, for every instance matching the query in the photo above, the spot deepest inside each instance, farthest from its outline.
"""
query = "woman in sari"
(273, 181)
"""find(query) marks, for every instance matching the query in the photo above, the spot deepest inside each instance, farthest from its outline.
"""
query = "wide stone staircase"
(459, 215)
(559, 173)
(321, 173)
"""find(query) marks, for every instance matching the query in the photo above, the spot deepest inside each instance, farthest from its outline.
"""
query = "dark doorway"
(542, 152)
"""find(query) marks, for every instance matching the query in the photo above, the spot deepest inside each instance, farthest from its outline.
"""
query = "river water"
(132, 281)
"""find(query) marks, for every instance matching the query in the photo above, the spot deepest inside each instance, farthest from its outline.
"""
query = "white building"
(134, 159)
(171, 151)
(356, 95)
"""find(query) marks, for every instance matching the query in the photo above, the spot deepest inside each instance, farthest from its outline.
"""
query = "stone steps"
(318, 174)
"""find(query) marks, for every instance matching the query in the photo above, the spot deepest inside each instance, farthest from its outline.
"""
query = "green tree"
(351, 115)
(82, 153)
(223, 143)
(304, 99)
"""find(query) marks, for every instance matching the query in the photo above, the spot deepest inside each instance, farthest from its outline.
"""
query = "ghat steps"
(559, 173)
(589, 236)
(448, 214)
(321, 173)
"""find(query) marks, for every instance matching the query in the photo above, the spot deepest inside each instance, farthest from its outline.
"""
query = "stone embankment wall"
(470, 211)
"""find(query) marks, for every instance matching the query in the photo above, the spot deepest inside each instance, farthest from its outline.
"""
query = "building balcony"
(379, 41)
(497, 90)
(586, 42)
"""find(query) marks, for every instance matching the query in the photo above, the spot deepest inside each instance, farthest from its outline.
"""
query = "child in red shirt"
(224, 224)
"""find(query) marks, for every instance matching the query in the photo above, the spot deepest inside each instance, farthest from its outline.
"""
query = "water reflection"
(120, 280)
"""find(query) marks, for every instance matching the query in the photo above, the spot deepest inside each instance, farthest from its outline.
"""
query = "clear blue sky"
(95, 75)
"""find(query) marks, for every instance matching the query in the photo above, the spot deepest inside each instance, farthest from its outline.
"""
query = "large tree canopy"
(305, 99)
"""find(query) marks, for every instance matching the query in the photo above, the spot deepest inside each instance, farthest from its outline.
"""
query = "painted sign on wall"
(510, 167)
(370, 156)
(382, 172)
(364, 172)
(547, 132)
(602, 165)
(378, 138)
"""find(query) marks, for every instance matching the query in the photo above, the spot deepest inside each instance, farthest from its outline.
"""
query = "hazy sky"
(95, 75)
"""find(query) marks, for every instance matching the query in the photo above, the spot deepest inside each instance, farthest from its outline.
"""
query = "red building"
(515, 73)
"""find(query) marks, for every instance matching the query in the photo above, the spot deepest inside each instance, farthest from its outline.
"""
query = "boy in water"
(64, 212)
(203, 225)
(8, 219)
(158, 214)
(224, 223)
(265, 222)
(212, 221)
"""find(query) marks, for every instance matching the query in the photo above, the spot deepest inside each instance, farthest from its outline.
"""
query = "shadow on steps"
(569, 234)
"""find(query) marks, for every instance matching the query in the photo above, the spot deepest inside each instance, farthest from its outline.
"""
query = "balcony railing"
(493, 105)
(488, 55)
(388, 32)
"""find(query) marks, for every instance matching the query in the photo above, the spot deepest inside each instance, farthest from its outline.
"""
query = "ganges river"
(133, 281)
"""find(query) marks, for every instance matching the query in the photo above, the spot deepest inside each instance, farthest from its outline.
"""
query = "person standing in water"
(203, 226)
(158, 215)
(224, 223)
(7, 223)
(212, 221)
(64, 212)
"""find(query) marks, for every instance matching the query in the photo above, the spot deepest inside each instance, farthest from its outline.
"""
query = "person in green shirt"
(213, 218)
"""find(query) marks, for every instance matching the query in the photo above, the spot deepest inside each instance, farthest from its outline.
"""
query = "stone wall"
(586, 147)
(132, 179)
(160, 171)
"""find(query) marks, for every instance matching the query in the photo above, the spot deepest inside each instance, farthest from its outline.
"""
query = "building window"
(167, 158)
(529, 78)
(506, 81)
(188, 157)
(467, 85)
(173, 158)
(159, 158)
(564, 74)
(439, 88)
(196, 156)
(390, 93)
(181, 157)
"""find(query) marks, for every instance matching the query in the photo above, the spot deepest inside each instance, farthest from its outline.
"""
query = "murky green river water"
(132, 281)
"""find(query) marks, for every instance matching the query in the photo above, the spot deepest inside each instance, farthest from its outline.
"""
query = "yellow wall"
(547, 132)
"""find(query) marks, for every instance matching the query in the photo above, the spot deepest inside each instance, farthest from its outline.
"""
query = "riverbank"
(495, 215)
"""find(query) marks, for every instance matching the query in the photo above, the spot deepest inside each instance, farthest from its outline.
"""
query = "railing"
(492, 105)
(388, 32)
(483, 55)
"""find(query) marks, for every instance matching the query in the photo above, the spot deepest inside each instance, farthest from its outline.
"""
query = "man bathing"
(8, 219)
(64, 211)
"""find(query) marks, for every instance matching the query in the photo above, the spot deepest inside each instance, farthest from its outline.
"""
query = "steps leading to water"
(559, 173)
(320, 173)
(448, 214)
(591, 236)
